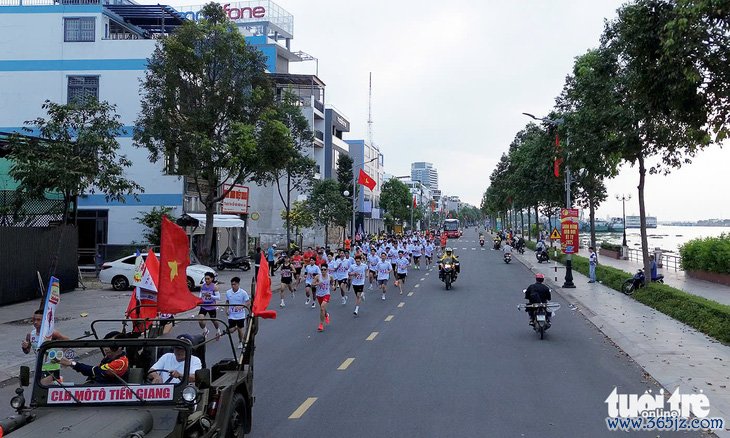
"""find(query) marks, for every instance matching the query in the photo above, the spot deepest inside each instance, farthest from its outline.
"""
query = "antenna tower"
(370, 110)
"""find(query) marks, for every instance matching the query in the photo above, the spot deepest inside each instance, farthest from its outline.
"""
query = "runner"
(210, 295)
(239, 302)
(310, 272)
(322, 287)
(384, 270)
(428, 252)
(416, 251)
(357, 274)
(373, 261)
(402, 270)
(350, 260)
(287, 271)
(341, 268)
(297, 262)
(443, 242)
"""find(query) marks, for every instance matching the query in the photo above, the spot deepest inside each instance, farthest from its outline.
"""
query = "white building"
(369, 214)
(426, 174)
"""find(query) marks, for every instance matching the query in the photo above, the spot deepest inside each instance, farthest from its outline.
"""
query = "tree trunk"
(529, 223)
(205, 252)
(522, 222)
(642, 215)
(326, 234)
(592, 219)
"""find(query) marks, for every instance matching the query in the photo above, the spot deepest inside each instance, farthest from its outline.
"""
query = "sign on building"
(236, 201)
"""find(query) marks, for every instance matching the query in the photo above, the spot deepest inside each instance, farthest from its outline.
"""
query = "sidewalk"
(673, 353)
(97, 302)
(677, 279)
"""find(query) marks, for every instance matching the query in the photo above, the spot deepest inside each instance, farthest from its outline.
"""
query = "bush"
(709, 317)
(611, 246)
(710, 254)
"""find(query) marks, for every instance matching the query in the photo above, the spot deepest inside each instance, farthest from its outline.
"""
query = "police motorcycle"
(449, 271)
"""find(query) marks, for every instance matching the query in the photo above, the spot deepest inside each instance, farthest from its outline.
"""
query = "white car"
(119, 273)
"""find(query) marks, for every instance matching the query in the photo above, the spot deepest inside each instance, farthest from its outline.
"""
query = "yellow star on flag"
(367, 181)
(173, 268)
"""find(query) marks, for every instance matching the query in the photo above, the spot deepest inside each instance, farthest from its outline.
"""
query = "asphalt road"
(459, 363)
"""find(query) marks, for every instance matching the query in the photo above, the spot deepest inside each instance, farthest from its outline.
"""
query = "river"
(667, 237)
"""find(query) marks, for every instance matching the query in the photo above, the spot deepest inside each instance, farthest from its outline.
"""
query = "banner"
(110, 394)
(569, 230)
(53, 297)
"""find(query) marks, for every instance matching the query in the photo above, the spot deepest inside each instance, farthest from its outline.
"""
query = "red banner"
(569, 230)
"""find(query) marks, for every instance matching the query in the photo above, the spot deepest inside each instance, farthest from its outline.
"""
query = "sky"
(451, 80)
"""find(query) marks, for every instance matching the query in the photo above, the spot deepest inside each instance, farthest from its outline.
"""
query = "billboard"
(569, 230)
(236, 201)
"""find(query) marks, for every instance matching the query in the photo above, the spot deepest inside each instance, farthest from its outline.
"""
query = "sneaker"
(355, 312)
(205, 332)
(282, 304)
(345, 297)
(314, 304)
(371, 287)
(401, 292)
(344, 300)
(240, 345)
(320, 328)
(307, 302)
(383, 297)
(327, 318)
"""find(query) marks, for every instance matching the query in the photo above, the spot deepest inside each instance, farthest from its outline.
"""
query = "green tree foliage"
(298, 216)
(152, 221)
(710, 254)
(76, 153)
(396, 200)
(326, 204)
(207, 110)
(296, 170)
(344, 179)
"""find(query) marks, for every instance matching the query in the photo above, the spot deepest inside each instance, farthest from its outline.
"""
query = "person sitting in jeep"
(113, 366)
(170, 367)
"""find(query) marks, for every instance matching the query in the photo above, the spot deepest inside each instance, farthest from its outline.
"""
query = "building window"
(80, 29)
(81, 88)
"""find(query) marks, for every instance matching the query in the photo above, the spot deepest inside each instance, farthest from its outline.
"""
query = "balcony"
(319, 135)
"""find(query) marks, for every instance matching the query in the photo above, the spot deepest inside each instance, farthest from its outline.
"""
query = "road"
(436, 363)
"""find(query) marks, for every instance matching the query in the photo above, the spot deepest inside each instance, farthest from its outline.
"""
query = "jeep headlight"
(190, 393)
(17, 402)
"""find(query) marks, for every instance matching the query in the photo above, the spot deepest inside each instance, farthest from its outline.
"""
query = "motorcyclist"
(507, 248)
(537, 293)
(497, 241)
(448, 257)
(540, 246)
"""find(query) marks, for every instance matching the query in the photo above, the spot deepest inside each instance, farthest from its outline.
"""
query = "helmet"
(539, 276)
(273, 246)
(448, 249)
(186, 337)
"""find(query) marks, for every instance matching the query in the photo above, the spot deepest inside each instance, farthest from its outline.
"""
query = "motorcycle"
(497, 244)
(542, 256)
(507, 257)
(481, 242)
(229, 261)
(637, 282)
(542, 315)
(448, 274)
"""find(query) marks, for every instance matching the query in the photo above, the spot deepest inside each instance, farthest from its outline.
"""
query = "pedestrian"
(270, 253)
(592, 262)
(238, 304)
(33, 340)
(322, 287)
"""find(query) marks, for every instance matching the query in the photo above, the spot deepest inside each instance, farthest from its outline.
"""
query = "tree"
(152, 220)
(207, 109)
(327, 205)
(298, 216)
(664, 112)
(396, 200)
(296, 170)
(344, 179)
(75, 153)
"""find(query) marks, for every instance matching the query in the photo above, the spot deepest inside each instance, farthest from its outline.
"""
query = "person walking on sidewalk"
(592, 262)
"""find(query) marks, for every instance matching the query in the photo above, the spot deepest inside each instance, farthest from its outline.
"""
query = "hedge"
(710, 254)
(709, 317)
(610, 246)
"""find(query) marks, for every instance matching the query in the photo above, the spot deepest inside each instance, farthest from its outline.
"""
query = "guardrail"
(667, 261)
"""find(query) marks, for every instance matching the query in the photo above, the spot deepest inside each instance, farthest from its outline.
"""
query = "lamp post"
(354, 193)
(568, 257)
(623, 199)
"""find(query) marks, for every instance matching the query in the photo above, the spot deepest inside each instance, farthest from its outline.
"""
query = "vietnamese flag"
(173, 295)
(143, 303)
(558, 160)
(365, 180)
(262, 297)
(414, 202)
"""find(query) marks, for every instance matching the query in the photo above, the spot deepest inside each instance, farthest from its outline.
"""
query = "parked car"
(119, 273)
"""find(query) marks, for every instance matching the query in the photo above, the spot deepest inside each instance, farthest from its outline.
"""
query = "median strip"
(302, 408)
(346, 363)
(372, 336)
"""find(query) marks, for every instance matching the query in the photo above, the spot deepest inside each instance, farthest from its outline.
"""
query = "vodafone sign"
(240, 12)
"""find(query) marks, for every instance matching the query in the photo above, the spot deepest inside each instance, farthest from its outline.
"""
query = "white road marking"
(372, 336)
(416, 285)
(410, 294)
(346, 364)
(401, 304)
(303, 408)
(388, 318)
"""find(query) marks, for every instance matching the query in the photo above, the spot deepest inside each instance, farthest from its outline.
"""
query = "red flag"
(263, 292)
(142, 303)
(365, 180)
(173, 295)
(558, 160)
(414, 202)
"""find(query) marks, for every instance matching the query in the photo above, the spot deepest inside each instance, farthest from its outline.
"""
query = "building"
(426, 174)
(369, 217)
(336, 124)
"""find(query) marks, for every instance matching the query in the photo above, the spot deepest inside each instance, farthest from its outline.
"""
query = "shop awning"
(219, 220)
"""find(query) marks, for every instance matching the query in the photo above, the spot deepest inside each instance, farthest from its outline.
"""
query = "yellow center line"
(410, 294)
(302, 408)
(372, 336)
(346, 363)
(401, 304)
(388, 318)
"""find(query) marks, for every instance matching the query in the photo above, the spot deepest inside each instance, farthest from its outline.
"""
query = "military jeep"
(213, 401)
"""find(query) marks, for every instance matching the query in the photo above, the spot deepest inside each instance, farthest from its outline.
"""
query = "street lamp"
(354, 192)
(623, 199)
(568, 257)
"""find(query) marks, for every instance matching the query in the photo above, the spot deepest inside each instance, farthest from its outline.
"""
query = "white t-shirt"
(384, 269)
(168, 362)
(373, 261)
(323, 287)
(237, 299)
(309, 272)
(342, 268)
(359, 278)
(428, 250)
(402, 265)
